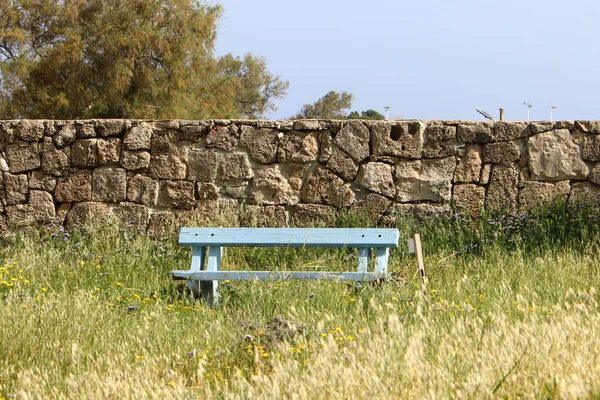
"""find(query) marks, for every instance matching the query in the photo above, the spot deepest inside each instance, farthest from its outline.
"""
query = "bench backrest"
(290, 237)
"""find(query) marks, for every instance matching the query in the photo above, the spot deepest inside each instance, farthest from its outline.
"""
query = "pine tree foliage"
(333, 105)
(70, 59)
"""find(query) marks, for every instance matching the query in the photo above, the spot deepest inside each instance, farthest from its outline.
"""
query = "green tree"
(333, 105)
(124, 59)
(250, 85)
(369, 114)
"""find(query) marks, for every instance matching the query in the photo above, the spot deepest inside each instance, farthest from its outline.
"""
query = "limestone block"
(292, 170)
(469, 197)
(475, 132)
(298, 147)
(264, 216)
(398, 138)
(133, 215)
(65, 136)
(39, 209)
(595, 174)
(42, 205)
(166, 142)
(109, 184)
(307, 125)
(143, 190)
(221, 122)
(536, 194)
(506, 131)
(540, 126)
(84, 153)
(259, 123)
(162, 225)
(167, 166)
(49, 128)
(261, 143)
(544, 163)
(83, 213)
(503, 190)
(585, 193)
(17, 188)
(223, 137)
(505, 153)
(168, 124)
(176, 194)
(591, 148)
(8, 132)
(313, 215)
(240, 190)
(3, 164)
(377, 177)
(208, 191)
(354, 139)
(30, 130)
(108, 150)
(207, 213)
(56, 162)
(234, 166)
(138, 137)
(61, 213)
(194, 132)
(424, 180)
(323, 186)
(85, 130)
(295, 173)
(342, 165)
(439, 141)
(486, 173)
(135, 160)
(110, 127)
(285, 125)
(75, 187)
(469, 168)
(570, 125)
(202, 165)
(588, 126)
(23, 158)
(326, 145)
(270, 187)
(372, 207)
(39, 180)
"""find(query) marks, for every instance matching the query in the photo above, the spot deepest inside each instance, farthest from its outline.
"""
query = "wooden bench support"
(205, 271)
(278, 275)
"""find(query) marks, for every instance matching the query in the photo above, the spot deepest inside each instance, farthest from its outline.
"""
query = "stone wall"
(278, 173)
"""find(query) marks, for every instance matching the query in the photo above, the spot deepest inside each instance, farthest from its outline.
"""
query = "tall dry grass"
(91, 314)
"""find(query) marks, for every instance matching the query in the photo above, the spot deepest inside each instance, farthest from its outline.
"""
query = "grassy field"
(510, 311)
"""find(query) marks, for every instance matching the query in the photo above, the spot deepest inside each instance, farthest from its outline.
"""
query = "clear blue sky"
(427, 59)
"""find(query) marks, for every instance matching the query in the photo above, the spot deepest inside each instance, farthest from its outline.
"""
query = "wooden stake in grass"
(414, 246)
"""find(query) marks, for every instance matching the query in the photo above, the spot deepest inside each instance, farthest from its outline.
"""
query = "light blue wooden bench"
(207, 243)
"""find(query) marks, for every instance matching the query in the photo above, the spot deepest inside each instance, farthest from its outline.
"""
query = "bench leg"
(382, 259)
(364, 256)
(209, 288)
(198, 258)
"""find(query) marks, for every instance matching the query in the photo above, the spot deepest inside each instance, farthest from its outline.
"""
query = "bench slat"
(289, 237)
(277, 275)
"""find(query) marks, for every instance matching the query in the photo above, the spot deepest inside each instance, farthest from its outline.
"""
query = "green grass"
(508, 312)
